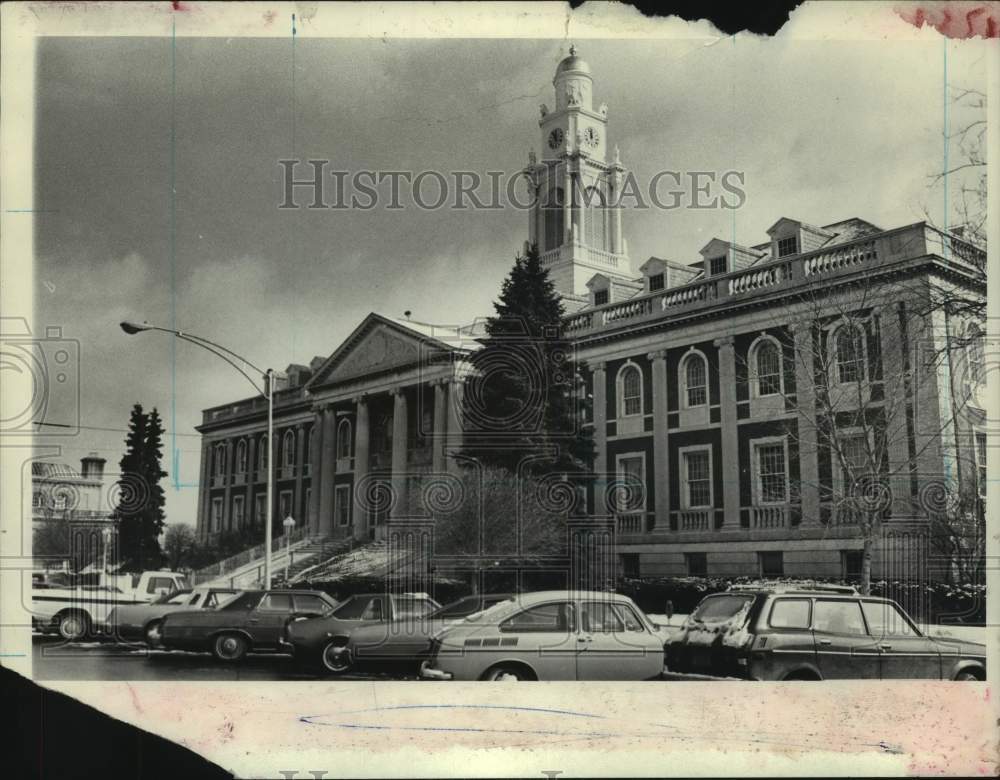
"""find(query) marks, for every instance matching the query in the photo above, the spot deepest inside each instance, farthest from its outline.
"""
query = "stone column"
(805, 395)
(730, 434)
(581, 210)
(324, 479)
(360, 464)
(227, 501)
(440, 425)
(892, 346)
(661, 452)
(315, 471)
(400, 426)
(567, 203)
(455, 426)
(204, 483)
(248, 501)
(600, 414)
(616, 215)
(298, 501)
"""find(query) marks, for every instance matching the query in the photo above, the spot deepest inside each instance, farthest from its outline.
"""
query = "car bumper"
(429, 673)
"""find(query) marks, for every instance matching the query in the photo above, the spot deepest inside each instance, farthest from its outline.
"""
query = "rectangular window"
(850, 564)
(216, 514)
(790, 613)
(697, 465)
(772, 563)
(629, 564)
(259, 508)
(716, 266)
(600, 297)
(853, 461)
(839, 617)
(697, 564)
(285, 504)
(238, 511)
(342, 504)
(772, 477)
(655, 282)
(631, 493)
(788, 246)
(982, 473)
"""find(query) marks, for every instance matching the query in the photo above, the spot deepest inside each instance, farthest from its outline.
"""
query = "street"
(56, 660)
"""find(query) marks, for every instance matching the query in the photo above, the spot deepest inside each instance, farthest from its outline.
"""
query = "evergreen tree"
(139, 513)
(522, 400)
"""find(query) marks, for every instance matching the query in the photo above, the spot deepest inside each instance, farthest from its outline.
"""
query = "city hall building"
(713, 383)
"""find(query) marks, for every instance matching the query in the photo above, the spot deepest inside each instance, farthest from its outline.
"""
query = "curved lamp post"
(266, 390)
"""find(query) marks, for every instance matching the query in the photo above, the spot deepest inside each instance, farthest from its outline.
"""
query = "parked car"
(409, 640)
(142, 621)
(550, 635)
(76, 610)
(803, 632)
(323, 641)
(250, 622)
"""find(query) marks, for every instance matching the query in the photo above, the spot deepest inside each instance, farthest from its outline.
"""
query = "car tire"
(74, 626)
(967, 676)
(335, 657)
(229, 648)
(153, 633)
(507, 673)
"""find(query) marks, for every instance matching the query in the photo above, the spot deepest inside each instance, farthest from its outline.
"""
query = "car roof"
(817, 588)
(538, 596)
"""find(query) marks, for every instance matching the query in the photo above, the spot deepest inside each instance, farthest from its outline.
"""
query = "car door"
(543, 636)
(787, 644)
(309, 605)
(844, 649)
(613, 644)
(266, 623)
(905, 654)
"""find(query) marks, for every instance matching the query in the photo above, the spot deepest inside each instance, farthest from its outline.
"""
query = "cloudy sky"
(822, 130)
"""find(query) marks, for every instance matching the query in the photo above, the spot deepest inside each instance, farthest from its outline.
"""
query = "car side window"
(545, 617)
(194, 600)
(276, 602)
(790, 613)
(601, 618)
(351, 609)
(838, 617)
(160, 585)
(373, 611)
(304, 603)
(886, 619)
(629, 618)
(410, 606)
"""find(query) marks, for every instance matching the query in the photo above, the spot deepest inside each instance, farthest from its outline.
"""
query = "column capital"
(397, 392)
(299, 426)
(724, 341)
(320, 407)
(361, 398)
(799, 327)
(659, 354)
(596, 365)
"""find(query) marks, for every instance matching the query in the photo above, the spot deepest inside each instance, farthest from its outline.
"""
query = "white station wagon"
(551, 635)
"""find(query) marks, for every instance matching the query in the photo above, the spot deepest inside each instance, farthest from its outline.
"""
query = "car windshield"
(459, 609)
(718, 609)
(493, 613)
(177, 597)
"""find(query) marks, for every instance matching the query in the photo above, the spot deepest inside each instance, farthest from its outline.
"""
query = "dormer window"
(656, 282)
(600, 297)
(788, 246)
(716, 266)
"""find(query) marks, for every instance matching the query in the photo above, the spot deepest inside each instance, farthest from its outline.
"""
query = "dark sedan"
(406, 641)
(251, 622)
(323, 640)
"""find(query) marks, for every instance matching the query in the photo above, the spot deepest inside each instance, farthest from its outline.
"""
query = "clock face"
(555, 138)
(591, 136)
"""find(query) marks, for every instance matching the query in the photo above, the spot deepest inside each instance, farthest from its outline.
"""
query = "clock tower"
(576, 217)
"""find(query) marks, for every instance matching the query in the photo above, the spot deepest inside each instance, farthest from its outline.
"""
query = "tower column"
(730, 433)
(315, 471)
(567, 203)
(440, 432)
(600, 415)
(400, 427)
(360, 465)
(248, 517)
(327, 473)
(661, 454)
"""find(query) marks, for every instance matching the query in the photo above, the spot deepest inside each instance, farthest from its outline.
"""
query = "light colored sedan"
(143, 621)
(551, 635)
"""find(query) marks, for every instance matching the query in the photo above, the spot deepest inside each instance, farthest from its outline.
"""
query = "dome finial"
(572, 49)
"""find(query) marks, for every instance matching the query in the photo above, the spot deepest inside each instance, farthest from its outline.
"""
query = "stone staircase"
(315, 551)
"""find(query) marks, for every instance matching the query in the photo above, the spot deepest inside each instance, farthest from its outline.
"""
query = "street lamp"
(289, 524)
(267, 390)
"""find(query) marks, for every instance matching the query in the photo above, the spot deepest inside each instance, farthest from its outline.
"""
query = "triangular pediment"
(376, 345)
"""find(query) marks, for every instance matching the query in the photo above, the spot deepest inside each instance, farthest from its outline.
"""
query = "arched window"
(695, 374)
(850, 353)
(552, 214)
(262, 454)
(594, 220)
(241, 457)
(974, 354)
(766, 366)
(629, 390)
(288, 449)
(344, 439)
